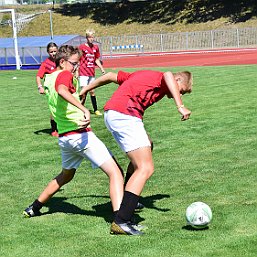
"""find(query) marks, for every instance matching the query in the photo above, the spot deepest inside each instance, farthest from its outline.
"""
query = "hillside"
(129, 18)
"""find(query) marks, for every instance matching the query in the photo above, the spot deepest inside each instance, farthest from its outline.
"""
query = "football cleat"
(29, 212)
(124, 229)
(98, 113)
(140, 206)
(137, 226)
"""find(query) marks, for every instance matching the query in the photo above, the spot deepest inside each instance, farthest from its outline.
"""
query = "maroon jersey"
(47, 67)
(137, 91)
(87, 61)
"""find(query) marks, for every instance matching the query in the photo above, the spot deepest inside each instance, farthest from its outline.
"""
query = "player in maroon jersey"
(90, 58)
(47, 67)
(123, 115)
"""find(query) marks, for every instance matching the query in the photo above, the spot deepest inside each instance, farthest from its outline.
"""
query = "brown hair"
(65, 52)
(51, 44)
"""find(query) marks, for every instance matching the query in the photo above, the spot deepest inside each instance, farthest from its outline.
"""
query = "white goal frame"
(15, 41)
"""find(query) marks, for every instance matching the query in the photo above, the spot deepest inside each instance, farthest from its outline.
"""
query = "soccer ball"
(198, 215)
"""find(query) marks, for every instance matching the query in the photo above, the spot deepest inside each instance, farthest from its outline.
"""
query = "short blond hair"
(90, 32)
(186, 79)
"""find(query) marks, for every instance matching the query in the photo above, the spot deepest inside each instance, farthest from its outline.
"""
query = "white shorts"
(128, 131)
(76, 147)
(85, 80)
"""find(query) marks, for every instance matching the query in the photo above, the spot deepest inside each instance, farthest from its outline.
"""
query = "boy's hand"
(185, 113)
(41, 90)
(83, 98)
(86, 121)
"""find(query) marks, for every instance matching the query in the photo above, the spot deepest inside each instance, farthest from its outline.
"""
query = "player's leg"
(93, 98)
(130, 134)
(99, 155)
(63, 178)
(83, 81)
(70, 163)
(116, 183)
(54, 131)
(130, 168)
(129, 173)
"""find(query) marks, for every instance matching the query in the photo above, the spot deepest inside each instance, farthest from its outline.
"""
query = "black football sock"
(127, 207)
(53, 125)
(115, 214)
(93, 101)
(128, 175)
(36, 205)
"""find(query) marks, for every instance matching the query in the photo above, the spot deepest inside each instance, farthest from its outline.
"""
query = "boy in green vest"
(76, 139)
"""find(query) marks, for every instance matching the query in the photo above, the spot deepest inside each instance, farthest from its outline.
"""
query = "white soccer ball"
(198, 215)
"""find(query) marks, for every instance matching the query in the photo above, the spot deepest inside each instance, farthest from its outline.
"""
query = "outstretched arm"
(174, 90)
(103, 80)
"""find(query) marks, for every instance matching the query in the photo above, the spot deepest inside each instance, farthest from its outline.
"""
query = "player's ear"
(62, 63)
(178, 78)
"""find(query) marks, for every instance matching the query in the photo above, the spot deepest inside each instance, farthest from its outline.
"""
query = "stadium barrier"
(112, 46)
(132, 47)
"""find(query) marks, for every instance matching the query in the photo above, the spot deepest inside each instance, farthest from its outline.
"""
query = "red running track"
(185, 58)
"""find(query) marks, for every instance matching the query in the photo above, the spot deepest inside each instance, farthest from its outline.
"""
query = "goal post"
(15, 41)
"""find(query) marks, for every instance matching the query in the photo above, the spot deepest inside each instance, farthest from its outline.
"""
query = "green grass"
(209, 158)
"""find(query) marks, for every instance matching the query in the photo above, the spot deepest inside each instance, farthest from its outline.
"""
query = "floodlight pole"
(51, 25)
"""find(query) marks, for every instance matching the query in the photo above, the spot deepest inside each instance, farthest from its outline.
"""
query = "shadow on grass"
(104, 210)
(43, 131)
(189, 227)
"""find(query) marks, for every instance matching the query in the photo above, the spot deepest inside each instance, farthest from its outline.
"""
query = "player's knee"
(147, 170)
(65, 176)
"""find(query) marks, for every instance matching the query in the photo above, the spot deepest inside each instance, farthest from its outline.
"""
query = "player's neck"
(89, 44)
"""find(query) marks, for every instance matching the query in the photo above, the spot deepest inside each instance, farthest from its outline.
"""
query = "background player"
(90, 58)
(47, 67)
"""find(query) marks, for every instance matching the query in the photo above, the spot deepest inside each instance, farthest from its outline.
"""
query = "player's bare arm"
(98, 63)
(174, 90)
(103, 80)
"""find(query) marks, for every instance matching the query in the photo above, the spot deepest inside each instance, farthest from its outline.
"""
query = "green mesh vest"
(66, 115)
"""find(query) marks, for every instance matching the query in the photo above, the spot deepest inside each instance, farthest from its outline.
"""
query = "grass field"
(209, 158)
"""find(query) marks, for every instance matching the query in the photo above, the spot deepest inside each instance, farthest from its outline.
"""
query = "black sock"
(53, 125)
(115, 214)
(128, 175)
(93, 101)
(37, 205)
(127, 207)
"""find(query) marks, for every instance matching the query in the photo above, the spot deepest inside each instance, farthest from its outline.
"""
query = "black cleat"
(139, 206)
(124, 229)
(29, 212)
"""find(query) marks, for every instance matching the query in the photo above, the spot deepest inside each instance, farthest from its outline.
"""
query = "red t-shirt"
(65, 78)
(137, 91)
(87, 60)
(47, 67)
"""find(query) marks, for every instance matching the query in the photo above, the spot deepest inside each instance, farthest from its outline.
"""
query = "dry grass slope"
(111, 19)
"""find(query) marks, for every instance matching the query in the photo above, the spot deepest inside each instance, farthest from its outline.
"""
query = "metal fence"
(230, 38)
(168, 42)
